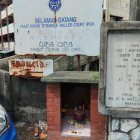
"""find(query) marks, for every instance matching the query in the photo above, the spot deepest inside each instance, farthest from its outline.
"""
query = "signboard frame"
(106, 28)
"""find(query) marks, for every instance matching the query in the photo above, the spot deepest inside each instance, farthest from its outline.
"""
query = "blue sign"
(55, 5)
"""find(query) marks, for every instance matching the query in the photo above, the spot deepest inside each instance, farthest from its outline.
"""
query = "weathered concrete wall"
(29, 99)
(124, 129)
(120, 8)
(127, 9)
(24, 98)
(138, 11)
(135, 10)
(5, 90)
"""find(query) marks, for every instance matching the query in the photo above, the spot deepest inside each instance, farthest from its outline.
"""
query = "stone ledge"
(72, 77)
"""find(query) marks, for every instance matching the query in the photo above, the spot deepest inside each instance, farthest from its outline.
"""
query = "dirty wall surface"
(25, 98)
(29, 98)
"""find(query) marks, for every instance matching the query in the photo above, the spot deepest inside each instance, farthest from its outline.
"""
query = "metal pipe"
(78, 62)
(7, 21)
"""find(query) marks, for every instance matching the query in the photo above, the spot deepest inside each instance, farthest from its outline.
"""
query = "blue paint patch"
(54, 5)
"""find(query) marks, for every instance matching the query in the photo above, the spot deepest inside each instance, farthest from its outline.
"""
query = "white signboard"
(123, 70)
(30, 67)
(56, 27)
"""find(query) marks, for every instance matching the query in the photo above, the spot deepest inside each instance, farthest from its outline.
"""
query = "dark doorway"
(75, 106)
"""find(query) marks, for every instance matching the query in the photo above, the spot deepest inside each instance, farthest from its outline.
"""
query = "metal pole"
(107, 14)
(1, 25)
(7, 20)
(78, 61)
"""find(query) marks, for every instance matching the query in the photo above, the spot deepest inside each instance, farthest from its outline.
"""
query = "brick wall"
(53, 111)
(53, 95)
(98, 121)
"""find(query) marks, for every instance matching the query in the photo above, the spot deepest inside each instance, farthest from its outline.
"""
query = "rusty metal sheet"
(56, 27)
(30, 67)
